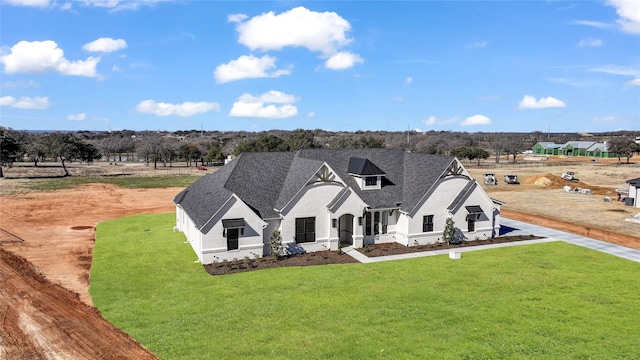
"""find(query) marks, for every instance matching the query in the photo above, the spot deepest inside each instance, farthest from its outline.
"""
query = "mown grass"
(127, 182)
(545, 301)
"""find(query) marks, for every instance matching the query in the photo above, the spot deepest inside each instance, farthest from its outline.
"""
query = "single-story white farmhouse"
(320, 199)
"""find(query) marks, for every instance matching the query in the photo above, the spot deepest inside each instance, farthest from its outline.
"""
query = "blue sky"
(490, 66)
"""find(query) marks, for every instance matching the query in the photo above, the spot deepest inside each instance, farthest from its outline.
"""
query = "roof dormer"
(367, 174)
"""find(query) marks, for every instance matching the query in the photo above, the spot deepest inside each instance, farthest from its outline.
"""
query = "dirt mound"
(30, 304)
(556, 182)
(550, 180)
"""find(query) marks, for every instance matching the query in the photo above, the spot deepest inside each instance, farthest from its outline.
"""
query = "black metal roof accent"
(360, 166)
(474, 209)
(233, 223)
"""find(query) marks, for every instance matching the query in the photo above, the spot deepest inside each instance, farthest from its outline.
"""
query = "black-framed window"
(367, 224)
(232, 238)
(371, 181)
(471, 223)
(305, 230)
(427, 223)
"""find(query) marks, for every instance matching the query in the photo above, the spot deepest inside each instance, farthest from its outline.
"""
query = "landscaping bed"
(306, 259)
(385, 249)
(338, 257)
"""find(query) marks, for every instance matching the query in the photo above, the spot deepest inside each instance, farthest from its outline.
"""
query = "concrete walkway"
(510, 228)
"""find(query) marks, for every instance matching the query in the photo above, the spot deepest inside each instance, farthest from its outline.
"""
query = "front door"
(345, 227)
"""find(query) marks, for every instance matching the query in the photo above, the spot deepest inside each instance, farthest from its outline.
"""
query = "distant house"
(546, 148)
(319, 198)
(634, 191)
(573, 148)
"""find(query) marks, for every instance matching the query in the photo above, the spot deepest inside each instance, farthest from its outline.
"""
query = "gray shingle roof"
(268, 181)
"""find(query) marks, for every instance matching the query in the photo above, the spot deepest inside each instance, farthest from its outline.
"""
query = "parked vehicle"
(511, 179)
(202, 167)
(490, 179)
(569, 175)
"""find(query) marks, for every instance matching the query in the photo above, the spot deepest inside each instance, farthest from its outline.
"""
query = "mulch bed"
(306, 259)
(336, 257)
(395, 248)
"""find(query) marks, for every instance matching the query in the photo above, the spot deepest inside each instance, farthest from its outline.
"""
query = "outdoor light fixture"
(334, 222)
(360, 220)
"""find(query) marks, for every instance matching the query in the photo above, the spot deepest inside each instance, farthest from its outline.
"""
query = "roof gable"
(363, 167)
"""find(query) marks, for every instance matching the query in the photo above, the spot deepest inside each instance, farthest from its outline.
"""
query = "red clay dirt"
(45, 307)
(49, 315)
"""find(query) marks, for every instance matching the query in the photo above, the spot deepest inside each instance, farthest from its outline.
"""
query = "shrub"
(275, 241)
(449, 233)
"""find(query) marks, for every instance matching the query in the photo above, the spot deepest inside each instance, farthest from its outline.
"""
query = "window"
(232, 239)
(427, 223)
(471, 224)
(305, 230)
(371, 181)
(367, 223)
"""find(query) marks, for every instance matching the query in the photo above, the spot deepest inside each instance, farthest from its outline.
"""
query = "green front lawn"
(549, 301)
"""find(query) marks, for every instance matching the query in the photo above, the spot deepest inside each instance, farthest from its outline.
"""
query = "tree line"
(212, 147)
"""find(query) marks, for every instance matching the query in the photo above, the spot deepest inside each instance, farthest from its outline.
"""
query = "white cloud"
(476, 120)
(256, 106)
(343, 60)
(20, 84)
(478, 44)
(616, 70)
(117, 5)
(45, 56)
(596, 24)
(248, 67)
(590, 42)
(77, 117)
(323, 32)
(105, 45)
(66, 6)
(236, 18)
(620, 70)
(432, 120)
(38, 102)
(185, 109)
(273, 96)
(408, 80)
(30, 3)
(530, 102)
(629, 12)
(634, 82)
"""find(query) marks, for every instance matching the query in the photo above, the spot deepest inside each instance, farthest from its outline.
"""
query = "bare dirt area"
(540, 197)
(42, 320)
(45, 308)
(47, 240)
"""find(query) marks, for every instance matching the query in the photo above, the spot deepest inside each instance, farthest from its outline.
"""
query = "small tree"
(449, 232)
(275, 241)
